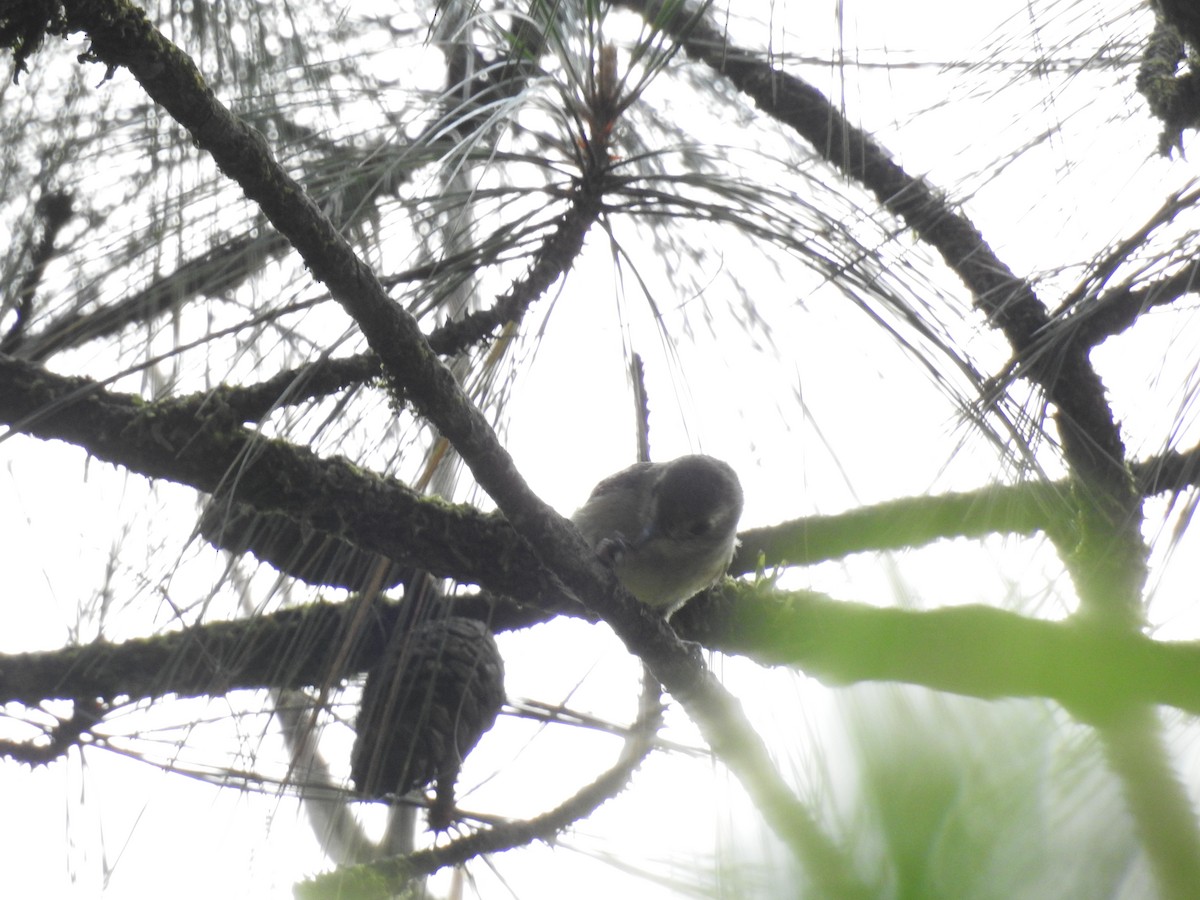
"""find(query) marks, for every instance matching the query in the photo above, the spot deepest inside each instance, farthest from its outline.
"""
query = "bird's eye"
(700, 528)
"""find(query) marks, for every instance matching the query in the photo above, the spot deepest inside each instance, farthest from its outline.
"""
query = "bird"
(668, 529)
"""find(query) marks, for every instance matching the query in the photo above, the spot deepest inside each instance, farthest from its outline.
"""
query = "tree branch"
(972, 650)
(203, 445)
(1119, 308)
(977, 651)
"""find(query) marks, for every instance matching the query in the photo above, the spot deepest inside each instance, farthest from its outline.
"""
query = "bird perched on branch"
(668, 529)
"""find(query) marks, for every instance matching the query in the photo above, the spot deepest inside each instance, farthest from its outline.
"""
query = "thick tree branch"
(314, 645)
(977, 651)
(906, 523)
(207, 448)
(289, 649)
(916, 521)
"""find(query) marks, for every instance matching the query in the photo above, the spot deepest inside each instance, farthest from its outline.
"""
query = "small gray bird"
(668, 529)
